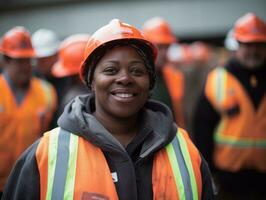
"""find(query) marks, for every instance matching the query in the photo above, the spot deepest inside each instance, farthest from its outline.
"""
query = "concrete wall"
(190, 18)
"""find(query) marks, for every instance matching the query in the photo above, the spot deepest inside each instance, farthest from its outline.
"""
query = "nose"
(124, 78)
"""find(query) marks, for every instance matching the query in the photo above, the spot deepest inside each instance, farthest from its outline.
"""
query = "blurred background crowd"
(208, 51)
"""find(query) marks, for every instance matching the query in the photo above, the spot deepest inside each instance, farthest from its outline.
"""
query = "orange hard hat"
(113, 33)
(16, 43)
(250, 28)
(158, 31)
(71, 53)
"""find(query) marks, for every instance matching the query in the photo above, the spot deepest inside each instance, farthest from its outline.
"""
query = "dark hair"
(143, 49)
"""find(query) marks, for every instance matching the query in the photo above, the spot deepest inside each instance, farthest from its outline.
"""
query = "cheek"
(100, 86)
(145, 85)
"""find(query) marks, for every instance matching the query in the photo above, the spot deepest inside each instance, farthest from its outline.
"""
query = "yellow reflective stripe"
(71, 173)
(187, 158)
(231, 140)
(176, 171)
(220, 81)
(52, 156)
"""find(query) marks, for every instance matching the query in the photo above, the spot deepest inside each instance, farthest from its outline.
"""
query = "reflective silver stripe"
(183, 169)
(61, 165)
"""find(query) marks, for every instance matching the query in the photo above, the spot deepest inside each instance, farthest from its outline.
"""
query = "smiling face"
(120, 83)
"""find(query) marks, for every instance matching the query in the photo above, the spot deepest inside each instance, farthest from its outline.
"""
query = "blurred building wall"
(190, 18)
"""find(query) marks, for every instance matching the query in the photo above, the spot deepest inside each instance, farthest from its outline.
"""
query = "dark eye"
(138, 71)
(110, 70)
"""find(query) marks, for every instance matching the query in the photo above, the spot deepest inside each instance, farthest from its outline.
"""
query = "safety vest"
(22, 124)
(174, 80)
(70, 167)
(240, 137)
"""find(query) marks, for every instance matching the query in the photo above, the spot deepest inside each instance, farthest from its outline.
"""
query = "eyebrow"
(131, 62)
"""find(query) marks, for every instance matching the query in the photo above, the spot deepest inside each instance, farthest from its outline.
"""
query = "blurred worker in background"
(113, 143)
(194, 61)
(230, 123)
(71, 52)
(26, 103)
(169, 88)
(45, 43)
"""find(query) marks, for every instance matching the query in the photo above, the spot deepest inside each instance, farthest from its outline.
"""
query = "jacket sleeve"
(24, 180)
(209, 190)
(205, 120)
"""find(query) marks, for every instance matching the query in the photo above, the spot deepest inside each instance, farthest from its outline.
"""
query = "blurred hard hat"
(200, 51)
(112, 33)
(250, 28)
(16, 43)
(158, 31)
(230, 42)
(179, 53)
(45, 42)
(71, 53)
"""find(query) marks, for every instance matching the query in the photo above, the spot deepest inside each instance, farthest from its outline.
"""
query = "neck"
(14, 83)
(123, 129)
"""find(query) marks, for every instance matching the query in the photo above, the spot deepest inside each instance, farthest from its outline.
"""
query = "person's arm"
(24, 180)
(205, 121)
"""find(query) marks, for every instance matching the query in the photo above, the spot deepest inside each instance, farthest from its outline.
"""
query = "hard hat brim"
(60, 71)
(251, 38)
(46, 52)
(20, 54)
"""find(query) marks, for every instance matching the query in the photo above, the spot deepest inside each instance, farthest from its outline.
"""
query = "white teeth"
(123, 95)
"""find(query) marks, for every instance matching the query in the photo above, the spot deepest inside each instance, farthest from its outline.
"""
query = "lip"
(124, 95)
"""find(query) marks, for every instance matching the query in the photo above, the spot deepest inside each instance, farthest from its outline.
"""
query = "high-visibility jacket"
(21, 125)
(240, 137)
(174, 80)
(70, 167)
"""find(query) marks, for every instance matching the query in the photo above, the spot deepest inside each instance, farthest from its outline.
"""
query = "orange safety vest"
(22, 124)
(240, 139)
(70, 167)
(174, 80)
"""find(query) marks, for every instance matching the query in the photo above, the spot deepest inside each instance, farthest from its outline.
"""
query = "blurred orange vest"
(21, 125)
(240, 138)
(70, 167)
(174, 80)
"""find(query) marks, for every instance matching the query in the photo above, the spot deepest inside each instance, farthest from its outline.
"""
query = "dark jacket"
(133, 163)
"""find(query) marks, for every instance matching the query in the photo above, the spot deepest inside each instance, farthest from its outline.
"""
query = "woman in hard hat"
(113, 143)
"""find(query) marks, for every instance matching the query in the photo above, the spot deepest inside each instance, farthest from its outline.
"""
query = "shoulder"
(186, 142)
(23, 181)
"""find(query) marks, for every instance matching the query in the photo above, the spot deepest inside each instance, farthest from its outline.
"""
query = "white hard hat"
(45, 42)
(175, 53)
(230, 42)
